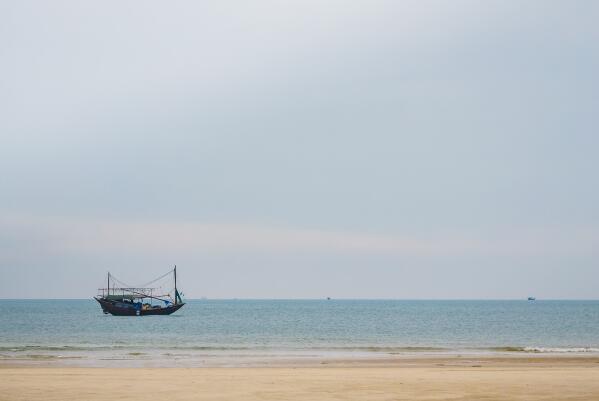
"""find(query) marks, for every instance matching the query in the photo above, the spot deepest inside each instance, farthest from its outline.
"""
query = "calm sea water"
(204, 329)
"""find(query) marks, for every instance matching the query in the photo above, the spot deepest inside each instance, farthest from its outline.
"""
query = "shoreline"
(286, 360)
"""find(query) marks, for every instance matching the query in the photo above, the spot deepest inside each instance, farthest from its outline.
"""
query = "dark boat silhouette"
(139, 301)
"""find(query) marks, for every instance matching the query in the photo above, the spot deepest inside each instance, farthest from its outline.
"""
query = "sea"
(255, 332)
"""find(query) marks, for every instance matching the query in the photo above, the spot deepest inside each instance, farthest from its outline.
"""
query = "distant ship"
(532, 299)
(139, 301)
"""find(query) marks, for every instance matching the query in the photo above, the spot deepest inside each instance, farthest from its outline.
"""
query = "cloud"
(69, 236)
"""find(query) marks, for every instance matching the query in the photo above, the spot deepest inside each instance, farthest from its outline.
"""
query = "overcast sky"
(301, 149)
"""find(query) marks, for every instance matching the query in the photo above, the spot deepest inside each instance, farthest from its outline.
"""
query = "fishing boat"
(532, 299)
(125, 300)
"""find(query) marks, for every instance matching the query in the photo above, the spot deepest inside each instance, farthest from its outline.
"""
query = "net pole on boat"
(175, 270)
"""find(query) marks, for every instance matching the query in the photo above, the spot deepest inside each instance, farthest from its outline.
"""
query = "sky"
(301, 149)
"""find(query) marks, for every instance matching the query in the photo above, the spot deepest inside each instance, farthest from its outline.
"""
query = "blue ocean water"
(78, 328)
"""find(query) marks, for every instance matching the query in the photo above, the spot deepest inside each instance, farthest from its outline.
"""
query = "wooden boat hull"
(115, 308)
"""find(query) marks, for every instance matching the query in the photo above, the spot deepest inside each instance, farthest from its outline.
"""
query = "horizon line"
(327, 299)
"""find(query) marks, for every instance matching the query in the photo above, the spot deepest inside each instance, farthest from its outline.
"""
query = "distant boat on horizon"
(138, 301)
(532, 299)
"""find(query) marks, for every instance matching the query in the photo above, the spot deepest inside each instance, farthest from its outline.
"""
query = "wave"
(394, 350)
(546, 350)
(137, 349)
(38, 357)
(57, 348)
(561, 350)
(365, 348)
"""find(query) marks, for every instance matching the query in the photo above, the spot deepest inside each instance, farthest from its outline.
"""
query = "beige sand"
(438, 379)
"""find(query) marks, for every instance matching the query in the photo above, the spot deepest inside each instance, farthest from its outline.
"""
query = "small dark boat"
(532, 299)
(139, 301)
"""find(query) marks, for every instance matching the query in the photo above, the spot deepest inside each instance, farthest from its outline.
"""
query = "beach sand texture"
(545, 379)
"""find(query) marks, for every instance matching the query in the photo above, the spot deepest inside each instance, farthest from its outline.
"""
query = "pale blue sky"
(284, 149)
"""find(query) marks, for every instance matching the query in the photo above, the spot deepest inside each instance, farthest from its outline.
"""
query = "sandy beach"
(523, 378)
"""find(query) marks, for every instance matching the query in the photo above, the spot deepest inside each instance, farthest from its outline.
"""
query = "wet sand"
(492, 378)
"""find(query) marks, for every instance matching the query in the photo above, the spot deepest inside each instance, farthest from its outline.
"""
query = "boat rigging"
(127, 300)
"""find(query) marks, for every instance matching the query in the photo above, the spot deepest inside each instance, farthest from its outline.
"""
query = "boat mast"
(176, 293)
(108, 287)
